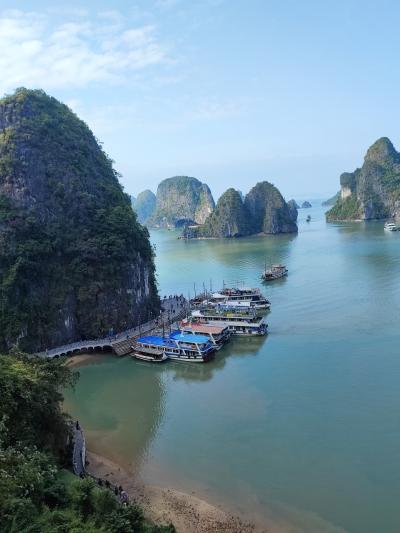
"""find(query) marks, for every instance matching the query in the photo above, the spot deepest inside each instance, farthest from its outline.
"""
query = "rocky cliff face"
(229, 219)
(182, 200)
(372, 191)
(74, 262)
(268, 210)
(144, 206)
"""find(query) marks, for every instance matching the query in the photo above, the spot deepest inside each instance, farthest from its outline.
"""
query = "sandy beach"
(75, 361)
(187, 512)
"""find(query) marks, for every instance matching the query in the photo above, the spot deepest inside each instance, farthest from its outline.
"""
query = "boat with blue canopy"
(177, 346)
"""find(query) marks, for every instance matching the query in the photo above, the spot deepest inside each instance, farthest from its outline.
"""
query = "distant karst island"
(372, 191)
(184, 201)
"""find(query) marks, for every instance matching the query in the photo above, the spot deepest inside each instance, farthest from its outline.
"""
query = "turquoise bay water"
(303, 424)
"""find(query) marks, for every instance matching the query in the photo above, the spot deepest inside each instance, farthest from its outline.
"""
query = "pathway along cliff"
(74, 261)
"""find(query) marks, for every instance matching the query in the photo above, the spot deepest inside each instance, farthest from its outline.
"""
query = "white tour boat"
(390, 226)
(218, 335)
(179, 346)
(238, 321)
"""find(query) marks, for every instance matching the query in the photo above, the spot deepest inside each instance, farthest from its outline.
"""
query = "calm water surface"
(303, 424)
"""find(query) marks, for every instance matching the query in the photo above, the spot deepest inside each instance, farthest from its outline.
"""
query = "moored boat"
(241, 296)
(390, 226)
(218, 335)
(238, 321)
(147, 353)
(178, 346)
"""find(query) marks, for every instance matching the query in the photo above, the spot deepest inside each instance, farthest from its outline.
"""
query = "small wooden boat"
(146, 353)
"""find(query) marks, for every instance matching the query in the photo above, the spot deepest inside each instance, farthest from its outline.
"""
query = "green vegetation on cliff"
(36, 496)
(372, 191)
(268, 210)
(74, 261)
(346, 209)
(229, 219)
(181, 200)
(332, 200)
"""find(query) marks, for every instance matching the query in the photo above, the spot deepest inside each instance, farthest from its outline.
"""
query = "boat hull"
(187, 359)
(150, 359)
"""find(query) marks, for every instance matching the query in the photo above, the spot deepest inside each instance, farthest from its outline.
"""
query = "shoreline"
(83, 359)
(188, 512)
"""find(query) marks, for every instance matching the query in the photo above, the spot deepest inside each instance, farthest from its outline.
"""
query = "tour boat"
(239, 321)
(179, 346)
(218, 335)
(275, 272)
(390, 226)
(147, 353)
(245, 294)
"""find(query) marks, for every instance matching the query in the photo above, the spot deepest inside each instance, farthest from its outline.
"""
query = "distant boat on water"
(274, 272)
(308, 219)
(390, 226)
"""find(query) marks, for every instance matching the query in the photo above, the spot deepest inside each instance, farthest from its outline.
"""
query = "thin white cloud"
(37, 51)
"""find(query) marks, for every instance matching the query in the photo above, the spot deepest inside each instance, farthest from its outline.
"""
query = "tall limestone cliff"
(182, 200)
(229, 219)
(372, 191)
(74, 261)
(144, 205)
(268, 210)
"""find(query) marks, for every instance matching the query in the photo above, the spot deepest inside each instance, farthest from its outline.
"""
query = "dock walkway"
(173, 308)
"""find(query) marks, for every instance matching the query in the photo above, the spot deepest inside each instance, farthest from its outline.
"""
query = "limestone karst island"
(199, 265)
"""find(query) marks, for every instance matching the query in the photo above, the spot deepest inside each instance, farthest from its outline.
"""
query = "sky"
(229, 91)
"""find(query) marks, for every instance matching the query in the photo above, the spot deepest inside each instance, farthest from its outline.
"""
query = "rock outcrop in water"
(145, 205)
(229, 219)
(293, 207)
(182, 200)
(306, 205)
(268, 210)
(372, 191)
(263, 211)
(74, 261)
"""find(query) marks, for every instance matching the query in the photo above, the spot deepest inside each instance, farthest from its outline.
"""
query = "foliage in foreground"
(35, 497)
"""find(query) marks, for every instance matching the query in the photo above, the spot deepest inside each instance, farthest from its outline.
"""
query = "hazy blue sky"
(229, 91)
